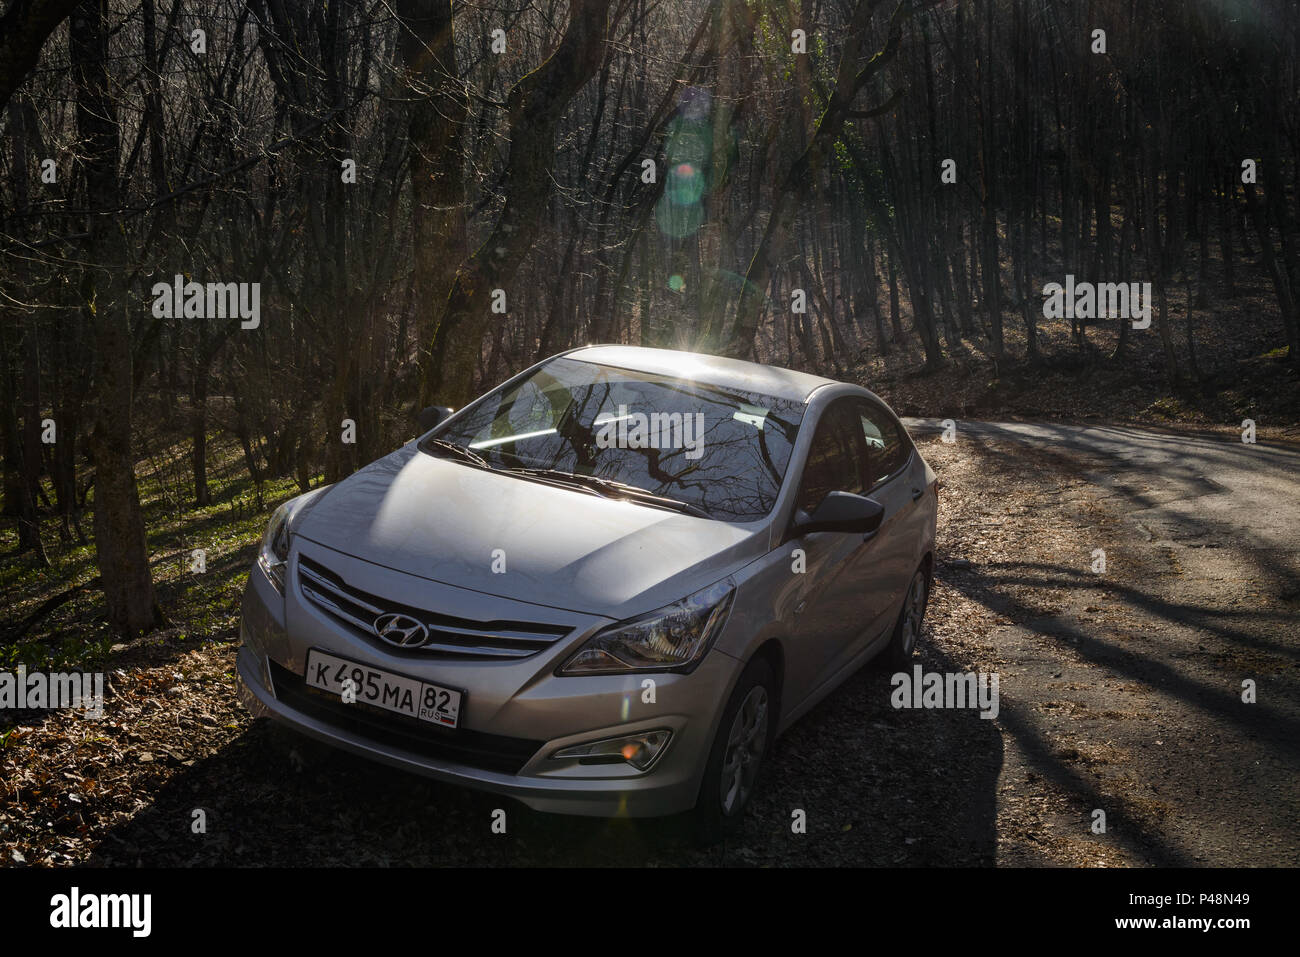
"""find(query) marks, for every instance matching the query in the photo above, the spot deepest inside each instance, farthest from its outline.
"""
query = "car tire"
(744, 735)
(907, 630)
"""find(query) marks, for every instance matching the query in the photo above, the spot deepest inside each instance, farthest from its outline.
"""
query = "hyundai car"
(602, 588)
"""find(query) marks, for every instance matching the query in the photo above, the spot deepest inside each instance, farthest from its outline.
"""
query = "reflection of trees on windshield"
(552, 420)
(575, 428)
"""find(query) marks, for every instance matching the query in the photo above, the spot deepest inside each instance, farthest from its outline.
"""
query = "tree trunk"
(535, 106)
(850, 79)
(120, 547)
(427, 48)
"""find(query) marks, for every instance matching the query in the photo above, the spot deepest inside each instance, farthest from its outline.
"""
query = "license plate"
(383, 689)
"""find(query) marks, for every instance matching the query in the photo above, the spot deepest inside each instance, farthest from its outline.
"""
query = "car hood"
(449, 522)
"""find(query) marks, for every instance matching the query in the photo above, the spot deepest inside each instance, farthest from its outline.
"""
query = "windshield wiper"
(559, 477)
(641, 496)
(612, 488)
(460, 451)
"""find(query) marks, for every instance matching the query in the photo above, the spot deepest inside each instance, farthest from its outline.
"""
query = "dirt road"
(1120, 692)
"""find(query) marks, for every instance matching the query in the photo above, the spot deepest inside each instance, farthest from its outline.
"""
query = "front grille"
(475, 749)
(449, 637)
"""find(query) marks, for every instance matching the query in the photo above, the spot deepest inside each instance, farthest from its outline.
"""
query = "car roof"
(710, 370)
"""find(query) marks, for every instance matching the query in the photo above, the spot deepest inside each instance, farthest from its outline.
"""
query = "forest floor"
(1119, 692)
(1241, 371)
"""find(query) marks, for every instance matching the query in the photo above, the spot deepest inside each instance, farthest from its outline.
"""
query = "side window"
(887, 449)
(834, 462)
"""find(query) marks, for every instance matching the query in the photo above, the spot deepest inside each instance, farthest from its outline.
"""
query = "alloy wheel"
(745, 746)
(913, 612)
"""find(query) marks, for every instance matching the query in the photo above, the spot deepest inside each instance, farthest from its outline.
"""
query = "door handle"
(917, 493)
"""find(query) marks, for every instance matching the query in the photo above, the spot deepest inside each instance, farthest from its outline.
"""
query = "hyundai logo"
(401, 630)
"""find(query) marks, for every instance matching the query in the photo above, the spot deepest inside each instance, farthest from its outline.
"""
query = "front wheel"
(744, 735)
(908, 628)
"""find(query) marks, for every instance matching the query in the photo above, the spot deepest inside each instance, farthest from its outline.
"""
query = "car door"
(830, 609)
(891, 481)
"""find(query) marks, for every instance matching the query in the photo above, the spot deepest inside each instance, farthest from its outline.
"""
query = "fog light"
(638, 750)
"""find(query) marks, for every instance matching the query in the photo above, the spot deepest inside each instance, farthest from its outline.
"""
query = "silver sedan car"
(602, 588)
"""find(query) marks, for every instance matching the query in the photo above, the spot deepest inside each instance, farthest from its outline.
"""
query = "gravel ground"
(1118, 692)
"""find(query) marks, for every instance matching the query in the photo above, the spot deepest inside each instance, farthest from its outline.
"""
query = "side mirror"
(843, 512)
(432, 416)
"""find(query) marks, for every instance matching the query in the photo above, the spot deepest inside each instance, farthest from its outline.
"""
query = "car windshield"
(715, 451)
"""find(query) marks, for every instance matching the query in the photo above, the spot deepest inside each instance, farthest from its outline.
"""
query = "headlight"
(273, 556)
(274, 553)
(673, 638)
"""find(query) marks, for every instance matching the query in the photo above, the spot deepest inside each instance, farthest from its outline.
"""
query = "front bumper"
(519, 703)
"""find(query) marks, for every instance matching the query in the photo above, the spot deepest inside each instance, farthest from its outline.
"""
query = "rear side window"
(886, 446)
(834, 460)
